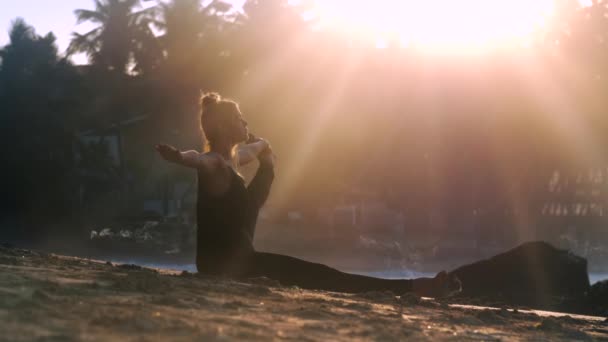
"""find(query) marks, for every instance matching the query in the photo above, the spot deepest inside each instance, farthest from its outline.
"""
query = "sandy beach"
(46, 297)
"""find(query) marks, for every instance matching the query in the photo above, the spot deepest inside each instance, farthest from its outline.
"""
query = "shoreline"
(187, 264)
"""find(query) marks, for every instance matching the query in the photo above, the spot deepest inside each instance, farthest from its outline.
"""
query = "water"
(397, 274)
(176, 267)
(407, 274)
(387, 274)
(595, 277)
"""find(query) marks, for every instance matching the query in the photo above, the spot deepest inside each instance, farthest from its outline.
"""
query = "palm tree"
(121, 34)
(191, 36)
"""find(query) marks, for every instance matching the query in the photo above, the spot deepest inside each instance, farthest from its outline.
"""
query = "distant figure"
(227, 212)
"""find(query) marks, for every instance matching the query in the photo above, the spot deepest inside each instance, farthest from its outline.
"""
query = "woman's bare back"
(217, 174)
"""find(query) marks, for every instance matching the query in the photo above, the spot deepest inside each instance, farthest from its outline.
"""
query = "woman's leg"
(308, 275)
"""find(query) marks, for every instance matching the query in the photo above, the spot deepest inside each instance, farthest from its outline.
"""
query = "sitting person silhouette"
(227, 212)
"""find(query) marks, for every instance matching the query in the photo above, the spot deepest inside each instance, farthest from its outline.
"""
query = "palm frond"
(83, 15)
(101, 7)
(86, 43)
(150, 12)
(144, 17)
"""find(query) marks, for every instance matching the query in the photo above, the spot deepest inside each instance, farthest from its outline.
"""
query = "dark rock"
(598, 297)
(534, 274)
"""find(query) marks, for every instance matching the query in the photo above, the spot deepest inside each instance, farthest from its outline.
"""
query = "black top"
(226, 223)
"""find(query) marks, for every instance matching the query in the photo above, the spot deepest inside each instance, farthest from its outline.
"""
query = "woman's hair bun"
(210, 99)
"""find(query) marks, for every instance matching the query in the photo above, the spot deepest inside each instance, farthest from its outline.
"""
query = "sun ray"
(294, 170)
(557, 104)
(440, 25)
(267, 69)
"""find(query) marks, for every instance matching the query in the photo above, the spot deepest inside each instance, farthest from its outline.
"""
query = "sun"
(447, 25)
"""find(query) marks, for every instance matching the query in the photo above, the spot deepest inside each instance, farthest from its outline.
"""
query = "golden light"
(439, 25)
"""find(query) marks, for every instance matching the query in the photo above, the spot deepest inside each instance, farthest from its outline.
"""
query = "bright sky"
(446, 22)
(451, 24)
(46, 16)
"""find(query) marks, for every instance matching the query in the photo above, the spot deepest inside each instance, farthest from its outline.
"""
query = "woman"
(227, 211)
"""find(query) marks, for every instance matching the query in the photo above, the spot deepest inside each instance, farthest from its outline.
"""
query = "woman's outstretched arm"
(191, 158)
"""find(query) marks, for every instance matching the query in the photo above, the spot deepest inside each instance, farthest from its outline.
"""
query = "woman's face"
(240, 130)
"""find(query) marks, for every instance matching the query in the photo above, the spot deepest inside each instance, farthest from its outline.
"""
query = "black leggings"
(290, 271)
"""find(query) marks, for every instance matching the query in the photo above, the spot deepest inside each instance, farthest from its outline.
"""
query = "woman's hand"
(169, 153)
(267, 156)
(261, 143)
(252, 149)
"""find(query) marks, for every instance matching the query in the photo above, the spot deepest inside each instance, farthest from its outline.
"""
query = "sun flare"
(446, 24)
